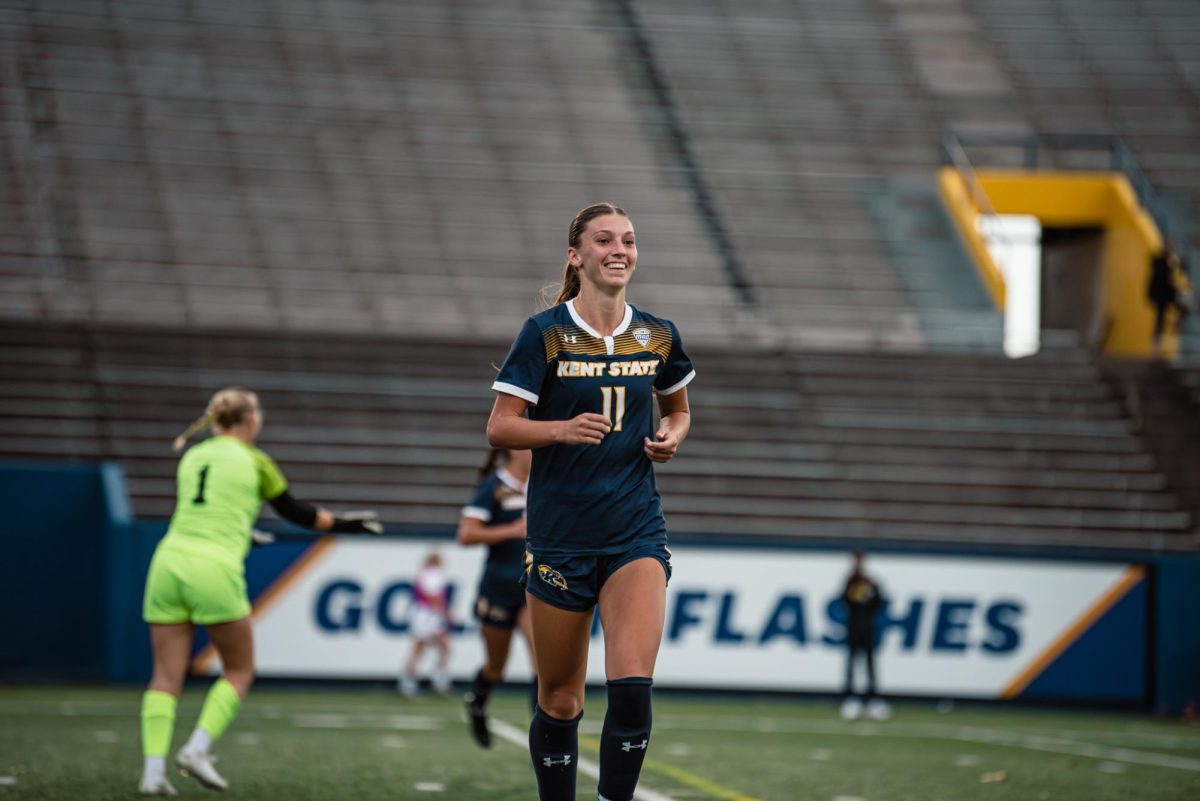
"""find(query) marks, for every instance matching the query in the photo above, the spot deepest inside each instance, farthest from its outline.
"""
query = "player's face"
(607, 252)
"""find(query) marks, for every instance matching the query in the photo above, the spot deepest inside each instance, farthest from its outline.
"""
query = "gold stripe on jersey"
(574, 341)
(571, 339)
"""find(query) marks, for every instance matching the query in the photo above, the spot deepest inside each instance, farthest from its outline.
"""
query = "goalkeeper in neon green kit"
(196, 578)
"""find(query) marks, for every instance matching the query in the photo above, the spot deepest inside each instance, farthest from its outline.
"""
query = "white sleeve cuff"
(513, 389)
(477, 513)
(671, 390)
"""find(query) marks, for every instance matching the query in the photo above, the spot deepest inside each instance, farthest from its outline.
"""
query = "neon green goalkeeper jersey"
(221, 484)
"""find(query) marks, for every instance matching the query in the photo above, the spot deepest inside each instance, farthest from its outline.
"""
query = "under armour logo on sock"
(551, 761)
(627, 746)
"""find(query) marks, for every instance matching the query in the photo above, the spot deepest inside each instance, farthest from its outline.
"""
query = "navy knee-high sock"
(481, 688)
(554, 748)
(625, 737)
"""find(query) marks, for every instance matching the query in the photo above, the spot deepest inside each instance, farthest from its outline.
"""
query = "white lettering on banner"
(748, 618)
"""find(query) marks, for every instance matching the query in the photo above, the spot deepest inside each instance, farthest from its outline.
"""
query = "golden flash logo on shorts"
(552, 577)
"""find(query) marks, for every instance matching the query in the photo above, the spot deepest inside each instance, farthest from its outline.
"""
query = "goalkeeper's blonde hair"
(227, 408)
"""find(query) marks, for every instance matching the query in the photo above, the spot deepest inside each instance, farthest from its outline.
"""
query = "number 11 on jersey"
(608, 412)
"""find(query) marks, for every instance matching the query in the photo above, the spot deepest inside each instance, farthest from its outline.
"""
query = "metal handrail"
(1120, 159)
(958, 158)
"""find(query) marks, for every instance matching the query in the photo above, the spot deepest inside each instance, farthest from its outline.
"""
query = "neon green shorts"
(183, 587)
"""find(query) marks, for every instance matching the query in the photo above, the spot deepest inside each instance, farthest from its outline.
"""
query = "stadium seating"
(345, 166)
(350, 206)
(1107, 67)
(795, 112)
(912, 448)
(355, 166)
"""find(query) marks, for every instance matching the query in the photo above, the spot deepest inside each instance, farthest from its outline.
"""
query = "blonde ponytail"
(227, 408)
(196, 427)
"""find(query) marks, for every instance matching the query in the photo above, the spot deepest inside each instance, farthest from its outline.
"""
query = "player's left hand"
(361, 521)
(662, 447)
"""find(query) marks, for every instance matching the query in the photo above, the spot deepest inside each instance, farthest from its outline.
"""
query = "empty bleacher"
(1123, 68)
(815, 446)
(397, 167)
(796, 113)
(344, 166)
(372, 195)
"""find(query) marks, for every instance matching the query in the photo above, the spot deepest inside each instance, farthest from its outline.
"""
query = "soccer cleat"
(200, 767)
(878, 709)
(477, 717)
(158, 786)
(851, 709)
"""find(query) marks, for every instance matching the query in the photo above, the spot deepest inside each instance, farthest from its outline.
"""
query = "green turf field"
(355, 743)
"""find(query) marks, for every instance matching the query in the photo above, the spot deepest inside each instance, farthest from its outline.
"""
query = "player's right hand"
(588, 428)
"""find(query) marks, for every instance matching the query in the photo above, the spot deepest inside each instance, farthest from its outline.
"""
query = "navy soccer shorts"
(574, 582)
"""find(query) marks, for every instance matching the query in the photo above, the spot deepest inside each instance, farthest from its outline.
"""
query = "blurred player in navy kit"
(578, 388)
(863, 600)
(495, 517)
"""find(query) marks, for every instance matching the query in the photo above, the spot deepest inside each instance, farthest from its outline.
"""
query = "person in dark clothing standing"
(863, 600)
(1167, 289)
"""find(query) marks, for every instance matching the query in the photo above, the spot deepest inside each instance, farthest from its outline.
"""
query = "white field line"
(521, 739)
(1056, 745)
(1062, 745)
(971, 734)
(782, 724)
(270, 710)
(327, 720)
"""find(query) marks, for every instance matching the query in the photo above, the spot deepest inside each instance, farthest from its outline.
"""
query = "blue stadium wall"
(58, 523)
(337, 608)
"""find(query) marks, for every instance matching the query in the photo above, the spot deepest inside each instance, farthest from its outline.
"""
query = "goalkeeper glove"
(363, 521)
(261, 537)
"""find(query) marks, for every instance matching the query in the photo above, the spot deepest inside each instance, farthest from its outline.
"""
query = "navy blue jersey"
(500, 499)
(594, 499)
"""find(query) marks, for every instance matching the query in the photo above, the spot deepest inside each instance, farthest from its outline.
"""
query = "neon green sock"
(158, 722)
(221, 706)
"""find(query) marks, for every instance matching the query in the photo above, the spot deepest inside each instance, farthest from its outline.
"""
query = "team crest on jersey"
(642, 335)
(552, 577)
